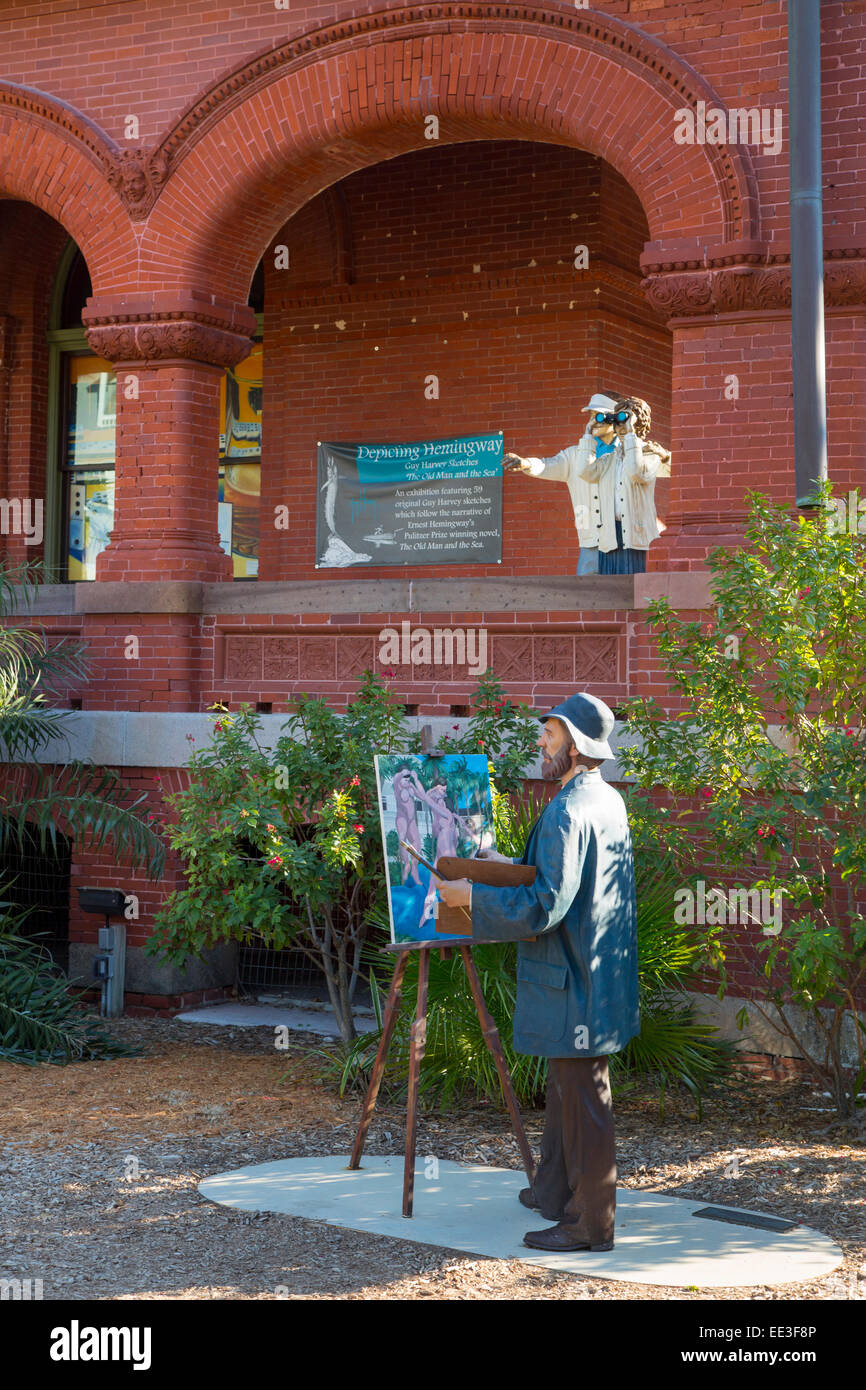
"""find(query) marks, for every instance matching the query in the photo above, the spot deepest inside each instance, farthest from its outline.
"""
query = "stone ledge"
(539, 593)
(123, 738)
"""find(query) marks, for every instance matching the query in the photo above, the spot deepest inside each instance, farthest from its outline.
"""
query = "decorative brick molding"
(722, 289)
(628, 46)
(137, 176)
(523, 657)
(141, 328)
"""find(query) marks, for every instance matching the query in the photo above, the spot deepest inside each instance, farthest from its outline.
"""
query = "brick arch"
(298, 118)
(56, 159)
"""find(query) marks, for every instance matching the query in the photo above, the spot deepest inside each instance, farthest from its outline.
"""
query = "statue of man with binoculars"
(611, 477)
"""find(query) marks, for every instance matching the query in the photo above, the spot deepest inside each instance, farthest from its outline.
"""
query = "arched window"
(82, 427)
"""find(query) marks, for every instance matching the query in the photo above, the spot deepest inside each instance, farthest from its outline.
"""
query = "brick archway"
(297, 119)
(54, 158)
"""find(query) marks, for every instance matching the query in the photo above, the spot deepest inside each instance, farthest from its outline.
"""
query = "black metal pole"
(807, 246)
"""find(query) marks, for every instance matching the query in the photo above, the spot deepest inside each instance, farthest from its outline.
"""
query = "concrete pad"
(275, 1015)
(658, 1239)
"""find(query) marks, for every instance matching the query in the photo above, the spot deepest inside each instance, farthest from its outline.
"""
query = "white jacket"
(591, 483)
(563, 468)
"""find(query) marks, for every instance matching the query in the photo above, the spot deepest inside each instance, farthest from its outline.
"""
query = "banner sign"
(437, 502)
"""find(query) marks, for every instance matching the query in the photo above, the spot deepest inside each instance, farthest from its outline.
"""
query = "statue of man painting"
(577, 970)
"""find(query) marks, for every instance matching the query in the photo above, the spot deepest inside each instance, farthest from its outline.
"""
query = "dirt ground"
(99, 1163)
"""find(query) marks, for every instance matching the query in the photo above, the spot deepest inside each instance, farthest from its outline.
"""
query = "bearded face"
(555, 767)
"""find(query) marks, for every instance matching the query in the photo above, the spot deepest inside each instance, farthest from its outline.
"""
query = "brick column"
(728, 308)
(170, 350)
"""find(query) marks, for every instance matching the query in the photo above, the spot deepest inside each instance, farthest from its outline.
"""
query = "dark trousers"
(621, 560)
(576, 1179)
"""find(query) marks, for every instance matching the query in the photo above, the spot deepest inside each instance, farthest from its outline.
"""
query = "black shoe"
(525, 1195)
(559, 1240)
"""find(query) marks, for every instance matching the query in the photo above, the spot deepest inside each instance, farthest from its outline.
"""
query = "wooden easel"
(418, 1044)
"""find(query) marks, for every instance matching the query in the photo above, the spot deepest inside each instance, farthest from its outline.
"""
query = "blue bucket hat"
(589, 721)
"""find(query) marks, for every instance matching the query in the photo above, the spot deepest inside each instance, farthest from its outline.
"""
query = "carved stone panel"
(317, 658)
(243, 658)
(512, 657)
(355, 655)
(281, 658)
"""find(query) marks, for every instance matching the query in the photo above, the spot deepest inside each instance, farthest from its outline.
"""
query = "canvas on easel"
(439, 807)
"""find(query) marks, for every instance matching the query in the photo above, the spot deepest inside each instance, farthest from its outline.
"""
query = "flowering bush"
(500, 727)
(274, 841)
(284, 844)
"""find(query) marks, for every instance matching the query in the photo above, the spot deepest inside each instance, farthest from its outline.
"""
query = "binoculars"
(607, 419)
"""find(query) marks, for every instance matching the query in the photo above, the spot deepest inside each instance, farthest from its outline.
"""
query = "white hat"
(589, 721)
(604, 403)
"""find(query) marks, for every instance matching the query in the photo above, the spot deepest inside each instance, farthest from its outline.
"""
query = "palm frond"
(92, 805)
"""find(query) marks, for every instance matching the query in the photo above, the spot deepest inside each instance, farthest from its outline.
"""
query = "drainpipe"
(807, 246)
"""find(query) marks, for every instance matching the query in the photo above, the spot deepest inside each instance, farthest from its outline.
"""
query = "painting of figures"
(434, 806)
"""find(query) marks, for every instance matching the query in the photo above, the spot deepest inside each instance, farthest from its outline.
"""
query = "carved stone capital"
(728, 289)
(190, 329)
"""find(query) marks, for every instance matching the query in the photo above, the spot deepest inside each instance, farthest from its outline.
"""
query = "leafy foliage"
(506, 730)
(90, 805)
(765, 767)
(40, 1019)
(283, 844)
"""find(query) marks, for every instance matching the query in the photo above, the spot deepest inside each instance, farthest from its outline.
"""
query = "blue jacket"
(577, 992)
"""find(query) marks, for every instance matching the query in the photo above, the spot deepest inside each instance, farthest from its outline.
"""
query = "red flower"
(270, 827)
(276, 860)
(455, 726)
(849, 733)
(359, 828)
(707, 792)
(355, 782)
(807, 590)
(219, 728)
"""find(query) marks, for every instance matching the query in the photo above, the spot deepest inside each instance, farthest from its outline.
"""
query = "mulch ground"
(100, 1161)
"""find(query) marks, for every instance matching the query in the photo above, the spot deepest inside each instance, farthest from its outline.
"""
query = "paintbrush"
(427, 865)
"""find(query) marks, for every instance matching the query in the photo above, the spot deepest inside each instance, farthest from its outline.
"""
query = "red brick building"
(248, 215)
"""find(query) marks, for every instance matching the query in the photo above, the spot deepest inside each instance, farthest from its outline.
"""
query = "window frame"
(64, 343)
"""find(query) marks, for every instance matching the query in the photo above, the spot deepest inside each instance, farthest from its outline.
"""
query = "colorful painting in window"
(241, 408)
(92, 413)
(91, 517)
(239, 516)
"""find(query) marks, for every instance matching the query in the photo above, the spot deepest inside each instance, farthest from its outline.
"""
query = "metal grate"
(261, 967)
(41, 882)
(264, 967)
(746, 1218)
